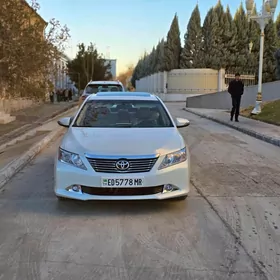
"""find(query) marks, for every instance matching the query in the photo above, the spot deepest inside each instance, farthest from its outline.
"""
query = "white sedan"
(122, 146)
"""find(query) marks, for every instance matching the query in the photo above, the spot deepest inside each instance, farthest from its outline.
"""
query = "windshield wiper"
(124, 124)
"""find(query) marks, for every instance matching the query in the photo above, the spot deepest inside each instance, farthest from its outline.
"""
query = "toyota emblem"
(122, 165)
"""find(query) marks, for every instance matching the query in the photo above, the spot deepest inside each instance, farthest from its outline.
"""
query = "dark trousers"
(235, 106)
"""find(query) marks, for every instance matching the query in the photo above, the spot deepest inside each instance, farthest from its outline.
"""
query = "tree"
(254, 38)
(160, 56)
(229, 41)
(242, 35)
(269, 65)
(125, 77)
(89, 64)
(190, 55)
(222, 33)
(277, 26)
(139, 70)
(210, 51)
(277, 53)
(172, 48)
(153, 61)
(26, 56)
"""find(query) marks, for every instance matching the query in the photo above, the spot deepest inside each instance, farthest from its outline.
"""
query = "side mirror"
(64, 121)
(182, 122)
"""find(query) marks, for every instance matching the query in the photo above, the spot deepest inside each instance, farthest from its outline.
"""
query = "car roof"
(118, 95)
(104, 83)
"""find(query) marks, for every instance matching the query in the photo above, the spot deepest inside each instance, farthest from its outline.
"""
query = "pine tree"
(242, 32)
(254, 37)
(172, 48)
(269, 64)
(145, 65)
(230, 41)
(277, 26)
(154, 59)
(135, 74)
(277, 53)
(157, 58)
(161, 63)
(210, 52)
(190, 56)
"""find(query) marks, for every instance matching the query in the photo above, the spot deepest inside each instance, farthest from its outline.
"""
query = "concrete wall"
(10, 105)
(222, 100)
(178, 84)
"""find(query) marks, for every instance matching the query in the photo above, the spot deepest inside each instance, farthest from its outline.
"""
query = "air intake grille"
(110, 165)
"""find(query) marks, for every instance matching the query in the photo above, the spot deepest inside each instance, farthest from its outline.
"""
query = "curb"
(9, 171)
(33, 131)
(60, 112)
(263, 137)
(47, 119)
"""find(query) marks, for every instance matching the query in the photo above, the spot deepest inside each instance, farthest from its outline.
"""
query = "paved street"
(228, 228)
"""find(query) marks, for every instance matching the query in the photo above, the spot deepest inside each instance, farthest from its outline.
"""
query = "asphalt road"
(228, 228)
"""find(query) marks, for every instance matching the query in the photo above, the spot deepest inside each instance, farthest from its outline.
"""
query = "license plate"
(124, 182)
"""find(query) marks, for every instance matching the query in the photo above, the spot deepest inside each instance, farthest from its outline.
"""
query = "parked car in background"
(122, 146)
(100, 86)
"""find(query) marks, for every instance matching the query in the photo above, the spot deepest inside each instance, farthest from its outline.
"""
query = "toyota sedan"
(122, 146)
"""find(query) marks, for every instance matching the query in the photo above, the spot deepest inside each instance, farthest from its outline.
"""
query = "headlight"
(174, 158)
(70, 158)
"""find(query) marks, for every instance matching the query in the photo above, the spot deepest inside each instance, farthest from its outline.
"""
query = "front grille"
(109, 165)
(122, 191)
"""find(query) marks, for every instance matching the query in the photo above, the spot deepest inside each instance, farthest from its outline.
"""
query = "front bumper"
(91, 188)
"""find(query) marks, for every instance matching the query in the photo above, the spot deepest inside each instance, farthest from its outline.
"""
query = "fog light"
(169, 188)
(76, 188)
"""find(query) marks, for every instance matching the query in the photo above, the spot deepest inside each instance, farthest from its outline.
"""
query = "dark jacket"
(236, 88)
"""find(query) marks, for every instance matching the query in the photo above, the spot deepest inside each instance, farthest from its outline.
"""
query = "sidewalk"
(30, 118)
(17, 153)
(260, 130)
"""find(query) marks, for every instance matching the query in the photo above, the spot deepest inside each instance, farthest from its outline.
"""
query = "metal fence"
(247, 79)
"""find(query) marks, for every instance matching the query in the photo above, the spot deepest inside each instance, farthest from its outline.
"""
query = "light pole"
(262, 18)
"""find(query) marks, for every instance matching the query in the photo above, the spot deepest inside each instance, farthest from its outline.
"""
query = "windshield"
(123, 113)
(101, 88)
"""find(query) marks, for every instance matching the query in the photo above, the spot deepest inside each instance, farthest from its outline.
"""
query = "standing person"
(66, 95)
(52, 96)
(70, 94)
(58, 95)
(235, 89)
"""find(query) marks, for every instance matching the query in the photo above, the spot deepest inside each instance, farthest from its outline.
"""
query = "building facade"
(60, 79)
(35, 18)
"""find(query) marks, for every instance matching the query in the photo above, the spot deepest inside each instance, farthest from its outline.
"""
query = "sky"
(124, 29)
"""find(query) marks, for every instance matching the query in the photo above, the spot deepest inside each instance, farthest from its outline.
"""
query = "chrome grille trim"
(92, 156)
(136, 164)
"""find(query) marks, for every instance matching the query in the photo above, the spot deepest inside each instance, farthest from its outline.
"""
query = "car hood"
(122, 141)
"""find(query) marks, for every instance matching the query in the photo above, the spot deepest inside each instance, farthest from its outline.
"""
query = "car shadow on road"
(111, 208)
(49, 205)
